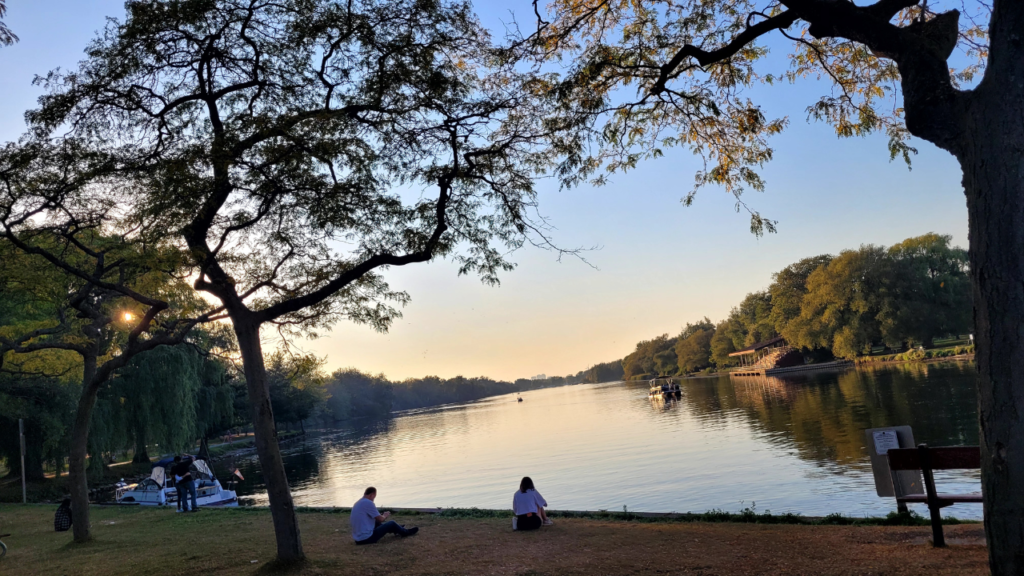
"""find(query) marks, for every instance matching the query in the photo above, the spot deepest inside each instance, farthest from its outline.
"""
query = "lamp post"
(21, 438)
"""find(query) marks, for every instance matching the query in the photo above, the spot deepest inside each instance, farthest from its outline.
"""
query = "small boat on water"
(158, 490)
(664, 388)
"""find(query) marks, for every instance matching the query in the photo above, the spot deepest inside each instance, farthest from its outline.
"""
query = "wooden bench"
(926, 460)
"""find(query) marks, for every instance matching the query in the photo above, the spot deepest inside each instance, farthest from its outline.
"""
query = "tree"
(39, 388)
(605, 372)
(299, 148)
(788, 288)
(354, 394)
(297, 387)
(932, 290)
(47, 405)
(694, 351)
(747, 324)
(652, 74)
(691, 329)
(113, 293)
(6, 36)
(152, 400)
(645, 360)
(723, 342)
(845, 302)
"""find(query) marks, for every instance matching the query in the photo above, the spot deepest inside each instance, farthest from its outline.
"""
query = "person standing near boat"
(184, 483)
(528, 506)
(369, 525)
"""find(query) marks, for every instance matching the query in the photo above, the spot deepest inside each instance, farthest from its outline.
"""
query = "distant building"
(763, 354)
(540, 377)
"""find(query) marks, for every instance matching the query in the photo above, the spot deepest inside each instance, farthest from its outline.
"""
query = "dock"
(757, 371)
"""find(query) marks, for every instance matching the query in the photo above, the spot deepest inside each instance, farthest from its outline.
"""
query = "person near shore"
(184, 483)
(62, 518)
(369, 525)
(528, 506)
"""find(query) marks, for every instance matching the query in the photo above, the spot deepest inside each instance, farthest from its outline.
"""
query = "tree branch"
(704, 57)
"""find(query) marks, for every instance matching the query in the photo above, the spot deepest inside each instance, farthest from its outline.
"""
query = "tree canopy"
(296, 149)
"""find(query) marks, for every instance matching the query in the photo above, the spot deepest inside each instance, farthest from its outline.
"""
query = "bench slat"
(959, 498)
(949, 458)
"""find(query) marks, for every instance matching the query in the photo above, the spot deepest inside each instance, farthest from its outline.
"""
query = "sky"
(658, 264)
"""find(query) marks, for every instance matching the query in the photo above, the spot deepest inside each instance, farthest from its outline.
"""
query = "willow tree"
(651, 74)
(114, 292)
(6, 36)
(299, 148)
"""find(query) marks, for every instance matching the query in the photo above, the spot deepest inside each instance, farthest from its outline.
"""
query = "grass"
(133, 540)
(916, 355)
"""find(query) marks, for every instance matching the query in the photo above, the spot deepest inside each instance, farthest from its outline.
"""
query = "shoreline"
(747, 516)
(856, 363)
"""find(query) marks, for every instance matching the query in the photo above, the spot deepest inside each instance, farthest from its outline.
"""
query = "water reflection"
(790, 444)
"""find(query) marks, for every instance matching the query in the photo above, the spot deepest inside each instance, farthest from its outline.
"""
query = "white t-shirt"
(363, 519)
(527, 502)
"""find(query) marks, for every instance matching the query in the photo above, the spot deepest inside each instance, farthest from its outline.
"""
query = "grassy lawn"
(138, 541)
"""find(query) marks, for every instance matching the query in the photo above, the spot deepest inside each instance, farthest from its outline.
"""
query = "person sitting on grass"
(369, 525)
(528, 506)
(62, 518)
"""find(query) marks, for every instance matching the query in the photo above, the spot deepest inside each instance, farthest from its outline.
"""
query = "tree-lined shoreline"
(862, 301)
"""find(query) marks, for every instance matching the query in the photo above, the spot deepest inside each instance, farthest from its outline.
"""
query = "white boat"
(667, 389)
(157, 490)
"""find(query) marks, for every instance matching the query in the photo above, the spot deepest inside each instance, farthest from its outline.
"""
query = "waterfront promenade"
(228, 542)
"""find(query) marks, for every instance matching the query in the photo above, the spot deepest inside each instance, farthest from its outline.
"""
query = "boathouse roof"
(778, 340)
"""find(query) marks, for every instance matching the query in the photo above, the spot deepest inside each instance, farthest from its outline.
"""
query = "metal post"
(938, 539)
(21, 437)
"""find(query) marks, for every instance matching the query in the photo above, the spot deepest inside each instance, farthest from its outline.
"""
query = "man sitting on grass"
(369, 525)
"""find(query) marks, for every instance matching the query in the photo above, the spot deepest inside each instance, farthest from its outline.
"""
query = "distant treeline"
(842, 306)
(355, 394)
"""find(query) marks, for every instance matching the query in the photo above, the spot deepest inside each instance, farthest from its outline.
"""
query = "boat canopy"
(165, 463)
(202, 470)
(158, 476)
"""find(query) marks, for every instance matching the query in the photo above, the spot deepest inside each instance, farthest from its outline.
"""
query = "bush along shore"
(919, 355)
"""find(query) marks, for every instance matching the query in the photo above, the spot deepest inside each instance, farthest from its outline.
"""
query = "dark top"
(62, 519)
(182, 469)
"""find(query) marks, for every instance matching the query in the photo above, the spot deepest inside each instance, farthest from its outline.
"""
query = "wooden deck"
(805, 368)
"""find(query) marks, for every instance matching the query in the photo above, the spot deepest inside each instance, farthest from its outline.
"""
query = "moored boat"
(158, 490)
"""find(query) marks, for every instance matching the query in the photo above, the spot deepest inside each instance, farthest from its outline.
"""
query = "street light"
(128, 316)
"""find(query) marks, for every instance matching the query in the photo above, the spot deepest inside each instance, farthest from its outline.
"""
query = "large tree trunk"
(282, 509)
(77, 478)
(992, 158)
(141, 452)
(993, 166)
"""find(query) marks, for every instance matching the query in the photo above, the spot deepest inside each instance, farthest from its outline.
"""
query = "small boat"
(666, 389)
(518, 399)
(158, 490)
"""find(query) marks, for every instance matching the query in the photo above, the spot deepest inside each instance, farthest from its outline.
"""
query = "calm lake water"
(793, 444)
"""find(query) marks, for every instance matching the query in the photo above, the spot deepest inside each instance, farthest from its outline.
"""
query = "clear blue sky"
(661, 265)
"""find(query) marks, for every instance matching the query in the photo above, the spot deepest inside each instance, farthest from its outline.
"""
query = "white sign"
(885, 440)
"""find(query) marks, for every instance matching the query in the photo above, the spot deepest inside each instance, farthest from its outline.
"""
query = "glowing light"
(128, 316)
